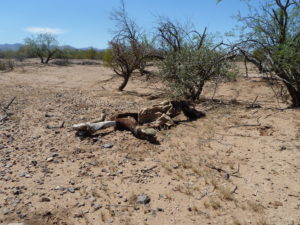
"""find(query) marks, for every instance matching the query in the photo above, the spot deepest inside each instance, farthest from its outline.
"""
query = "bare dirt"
(238, 165)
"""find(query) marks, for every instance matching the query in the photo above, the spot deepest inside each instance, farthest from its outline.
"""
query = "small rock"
(50, 159)
(107, 145)
(161, 196)
(92, 199)
(5, 211)
(45, 199)
(22, 215)
(54, 154)
(22, 174)
(159, 209)
(78, 215)
(143, 199)
(226, 176)
(104, 170)
(71, 189)
(16, 224)
(72, 182)
(81, 204)
(97, 206)
(59, 188)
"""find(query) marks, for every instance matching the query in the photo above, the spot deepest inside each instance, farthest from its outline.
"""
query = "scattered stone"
(97, 206)
(81, 204)
(226, 176)
(22, 215)
(78, 215)
(50, 159)
(108, 145)
(45, 199)
(72, 182)
(54, 154)
(159, 209)
(71, 189)
(92, 199)
(161, 196)
(143, 199)
(21, 174)
(59, 188)
(5, 211)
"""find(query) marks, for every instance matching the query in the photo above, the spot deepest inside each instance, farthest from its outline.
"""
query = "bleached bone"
(92, 127)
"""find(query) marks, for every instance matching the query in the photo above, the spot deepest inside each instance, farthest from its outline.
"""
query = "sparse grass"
(226, 194)
(212, 203)
(235, 221)
(179, 175)
(262, 221)
(6, 65)
(215, 204)
(167, 167)
(256, 207)
(214, 183)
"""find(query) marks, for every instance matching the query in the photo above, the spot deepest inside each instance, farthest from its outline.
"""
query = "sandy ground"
(238, 165)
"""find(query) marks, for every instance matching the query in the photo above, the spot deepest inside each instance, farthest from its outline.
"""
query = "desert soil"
(237, 165)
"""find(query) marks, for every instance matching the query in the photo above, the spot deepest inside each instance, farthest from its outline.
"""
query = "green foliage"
(190, 59)
(108, 57)
(271, 40)
(71, 53)
(186, 71)
(44, 46)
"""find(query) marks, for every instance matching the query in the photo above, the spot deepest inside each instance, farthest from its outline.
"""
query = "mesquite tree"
(128, 48)
(190, 59)
(271, 40)
(44, 46)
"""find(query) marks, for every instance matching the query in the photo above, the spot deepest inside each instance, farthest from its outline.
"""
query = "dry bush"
(7, 65)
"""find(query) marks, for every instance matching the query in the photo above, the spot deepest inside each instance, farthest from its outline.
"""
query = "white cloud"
(42, 30)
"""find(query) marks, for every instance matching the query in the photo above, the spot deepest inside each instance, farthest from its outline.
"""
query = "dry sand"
(235, 166)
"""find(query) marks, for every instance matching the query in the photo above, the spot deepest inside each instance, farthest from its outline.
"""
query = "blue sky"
(84, 23)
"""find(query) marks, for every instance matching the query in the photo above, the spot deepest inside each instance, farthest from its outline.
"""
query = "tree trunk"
(124, 83)
(42, 59)
(294, 93)
(199, 90)
(49, 57)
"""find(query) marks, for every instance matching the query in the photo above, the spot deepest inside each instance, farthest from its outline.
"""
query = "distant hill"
(11, 47)
(17, 46)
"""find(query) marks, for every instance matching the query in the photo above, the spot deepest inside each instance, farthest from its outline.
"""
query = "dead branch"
(234, 174)
(11, 101)
(244, 125)
(234, 189)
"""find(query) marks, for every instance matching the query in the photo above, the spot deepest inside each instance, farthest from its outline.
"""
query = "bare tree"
(44, 46)
(129, 49)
